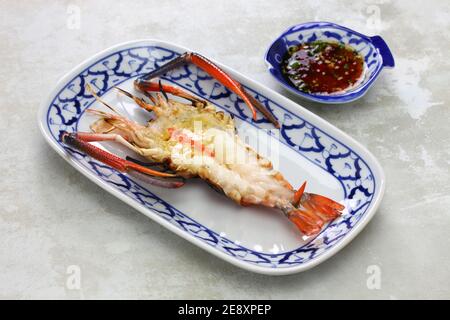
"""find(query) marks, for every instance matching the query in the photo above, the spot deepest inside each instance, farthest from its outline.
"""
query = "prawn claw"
(220, 75)
(76, 141)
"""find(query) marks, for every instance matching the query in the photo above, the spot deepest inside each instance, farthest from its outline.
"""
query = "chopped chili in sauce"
(322, 67)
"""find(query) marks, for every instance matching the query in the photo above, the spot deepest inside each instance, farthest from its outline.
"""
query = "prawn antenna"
(90, 90)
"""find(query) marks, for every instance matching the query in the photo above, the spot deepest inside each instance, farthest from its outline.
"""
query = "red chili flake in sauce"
(322, 67)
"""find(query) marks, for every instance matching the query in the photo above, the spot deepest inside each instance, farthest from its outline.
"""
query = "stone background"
(51, 217)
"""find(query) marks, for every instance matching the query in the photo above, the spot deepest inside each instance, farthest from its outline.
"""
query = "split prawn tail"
(312, 211)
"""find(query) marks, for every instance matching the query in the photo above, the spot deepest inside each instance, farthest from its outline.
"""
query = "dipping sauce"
(323, 67)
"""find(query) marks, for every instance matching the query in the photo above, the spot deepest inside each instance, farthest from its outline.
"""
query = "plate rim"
(282, 100)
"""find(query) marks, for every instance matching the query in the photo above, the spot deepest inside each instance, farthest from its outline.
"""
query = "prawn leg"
(91, 137)
(149, 86)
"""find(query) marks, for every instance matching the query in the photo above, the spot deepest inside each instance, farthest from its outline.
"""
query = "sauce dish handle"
(386, 54)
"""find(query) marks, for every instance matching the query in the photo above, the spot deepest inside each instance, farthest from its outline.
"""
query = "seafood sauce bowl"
(309, 148)
(374, 51)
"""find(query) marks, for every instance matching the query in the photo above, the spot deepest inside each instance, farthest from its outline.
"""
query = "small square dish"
(373, 50)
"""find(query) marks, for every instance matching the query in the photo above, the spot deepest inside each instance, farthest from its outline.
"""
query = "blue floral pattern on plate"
(355, 176)
(374, 50)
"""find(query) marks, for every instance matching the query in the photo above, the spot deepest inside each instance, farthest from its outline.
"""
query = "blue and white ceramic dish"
(374, 49)
(258, 240)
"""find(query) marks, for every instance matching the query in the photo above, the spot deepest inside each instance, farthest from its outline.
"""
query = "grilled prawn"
(194, 140)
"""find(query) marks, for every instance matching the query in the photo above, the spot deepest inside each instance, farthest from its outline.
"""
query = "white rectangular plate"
(259, 240)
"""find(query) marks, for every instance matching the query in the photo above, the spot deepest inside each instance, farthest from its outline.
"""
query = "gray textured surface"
(51, 217)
